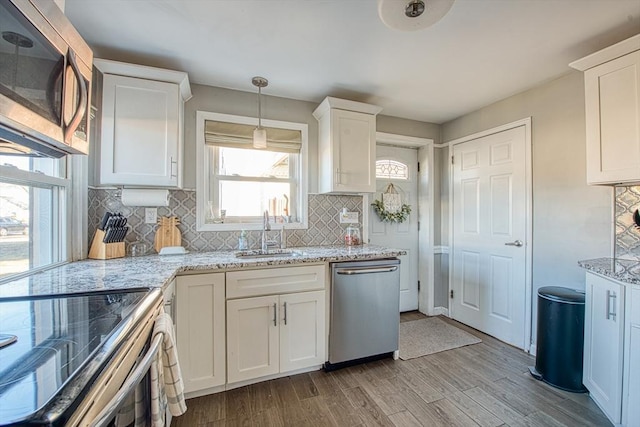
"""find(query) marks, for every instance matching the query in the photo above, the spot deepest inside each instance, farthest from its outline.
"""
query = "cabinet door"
(354, 151)
(603, 344)
(632, 356)
(140, 132)
(201, 330)
(612, 97)
(302, 330)
(252, 338)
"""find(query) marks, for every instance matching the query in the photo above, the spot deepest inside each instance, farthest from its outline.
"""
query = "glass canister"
(352, 235)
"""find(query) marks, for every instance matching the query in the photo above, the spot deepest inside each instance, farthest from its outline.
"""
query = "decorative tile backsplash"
(627, 235)
(324, 225)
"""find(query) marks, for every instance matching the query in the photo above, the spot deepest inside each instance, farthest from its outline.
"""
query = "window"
(238, 183)
(34, 193)
(391, 169)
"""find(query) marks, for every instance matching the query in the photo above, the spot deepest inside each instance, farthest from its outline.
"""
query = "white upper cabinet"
(346, 146)
(141, 125)
(612, 112)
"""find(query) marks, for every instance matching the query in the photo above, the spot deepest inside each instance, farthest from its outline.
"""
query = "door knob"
(517, 243)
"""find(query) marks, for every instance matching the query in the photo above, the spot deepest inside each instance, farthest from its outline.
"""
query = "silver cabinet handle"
(275, 314)
(517, 243)
(353, 271)
(285, 313)
(611, 314)
(174, 162)
(338, 176)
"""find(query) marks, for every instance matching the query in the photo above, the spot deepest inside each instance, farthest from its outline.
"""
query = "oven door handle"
(105, 416)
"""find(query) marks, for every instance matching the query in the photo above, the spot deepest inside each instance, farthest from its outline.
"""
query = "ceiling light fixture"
(414, 9)
(259, 133)
(412, 15)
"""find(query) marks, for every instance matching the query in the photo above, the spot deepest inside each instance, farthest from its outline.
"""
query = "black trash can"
(560, 338)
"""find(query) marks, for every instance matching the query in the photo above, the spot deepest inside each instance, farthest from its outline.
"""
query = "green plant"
(387, 216)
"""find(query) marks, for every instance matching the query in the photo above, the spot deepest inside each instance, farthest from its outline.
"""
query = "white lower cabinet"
(302, 330)
(200, 321)
(272, 334)
(252, 338)
(612, 348)
(278, 325)
(631, 401)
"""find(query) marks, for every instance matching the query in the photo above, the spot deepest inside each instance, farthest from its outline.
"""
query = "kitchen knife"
(107, 236)
(103, 222)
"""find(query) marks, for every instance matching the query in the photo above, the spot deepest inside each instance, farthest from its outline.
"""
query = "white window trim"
(60, 213)
(203, 170)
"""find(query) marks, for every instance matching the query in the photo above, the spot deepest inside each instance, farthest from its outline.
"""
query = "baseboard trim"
(440, 311)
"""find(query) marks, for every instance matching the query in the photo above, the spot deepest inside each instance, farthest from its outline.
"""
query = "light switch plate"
(348, 217)
(150, 215)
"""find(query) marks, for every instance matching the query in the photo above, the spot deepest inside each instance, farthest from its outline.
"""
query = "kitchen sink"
(273, 253)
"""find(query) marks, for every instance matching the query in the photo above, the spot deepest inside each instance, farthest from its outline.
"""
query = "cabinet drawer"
(269, 281)
(634, 312)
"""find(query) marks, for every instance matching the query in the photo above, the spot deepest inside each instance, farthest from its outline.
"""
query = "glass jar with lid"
(352, 235)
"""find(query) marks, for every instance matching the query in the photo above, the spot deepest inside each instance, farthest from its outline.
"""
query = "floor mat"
(431, 335)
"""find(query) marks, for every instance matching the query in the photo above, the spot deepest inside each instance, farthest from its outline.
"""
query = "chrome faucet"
(265, 227)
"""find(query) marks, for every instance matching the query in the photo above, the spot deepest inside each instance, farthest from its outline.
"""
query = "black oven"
(65, 358)
(45, 79)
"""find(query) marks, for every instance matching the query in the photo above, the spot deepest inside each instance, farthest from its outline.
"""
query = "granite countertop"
(155, 271)
(624, 270)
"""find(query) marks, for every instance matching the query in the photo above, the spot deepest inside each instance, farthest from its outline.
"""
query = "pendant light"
(259, 133)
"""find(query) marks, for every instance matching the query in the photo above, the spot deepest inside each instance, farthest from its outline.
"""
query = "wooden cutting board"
(168, 233)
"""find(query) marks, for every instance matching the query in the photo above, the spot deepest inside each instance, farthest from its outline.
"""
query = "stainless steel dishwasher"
(365, 311)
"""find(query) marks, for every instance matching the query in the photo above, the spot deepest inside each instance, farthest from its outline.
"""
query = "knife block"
(101, 250)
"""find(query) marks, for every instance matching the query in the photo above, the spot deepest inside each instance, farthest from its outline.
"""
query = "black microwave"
(45, 80)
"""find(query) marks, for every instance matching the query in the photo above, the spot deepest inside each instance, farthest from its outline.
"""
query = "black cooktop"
(55, 338)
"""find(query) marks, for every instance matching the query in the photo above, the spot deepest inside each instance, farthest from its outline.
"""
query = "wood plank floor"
(486, 384)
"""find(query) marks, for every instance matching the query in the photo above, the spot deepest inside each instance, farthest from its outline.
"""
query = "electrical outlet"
(348, 217)
(150, 215)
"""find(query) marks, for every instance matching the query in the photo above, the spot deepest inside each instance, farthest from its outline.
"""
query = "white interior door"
(488, 273)
(401, 170)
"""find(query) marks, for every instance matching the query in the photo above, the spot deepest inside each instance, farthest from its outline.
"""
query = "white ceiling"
(480, 52)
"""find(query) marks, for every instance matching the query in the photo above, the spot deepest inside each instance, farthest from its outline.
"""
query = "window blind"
(235, 135)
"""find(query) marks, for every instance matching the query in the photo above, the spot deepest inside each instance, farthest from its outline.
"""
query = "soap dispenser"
(243, 243)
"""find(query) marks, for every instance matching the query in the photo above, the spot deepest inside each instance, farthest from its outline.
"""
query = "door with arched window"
(399, 166)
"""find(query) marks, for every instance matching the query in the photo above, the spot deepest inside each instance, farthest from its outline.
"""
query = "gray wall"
(571, 220)
(220, 100)
(408, 127)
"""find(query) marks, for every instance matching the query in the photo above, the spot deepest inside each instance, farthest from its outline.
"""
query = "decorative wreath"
(387, 216)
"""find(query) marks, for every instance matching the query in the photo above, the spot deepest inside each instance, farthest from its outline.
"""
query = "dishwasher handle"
(354, 271)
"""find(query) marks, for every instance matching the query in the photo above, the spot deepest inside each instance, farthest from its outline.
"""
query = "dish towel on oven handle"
(167, 387)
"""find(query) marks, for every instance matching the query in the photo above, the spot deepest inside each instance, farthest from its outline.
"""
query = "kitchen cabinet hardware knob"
(517, 243)
(275, 314)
